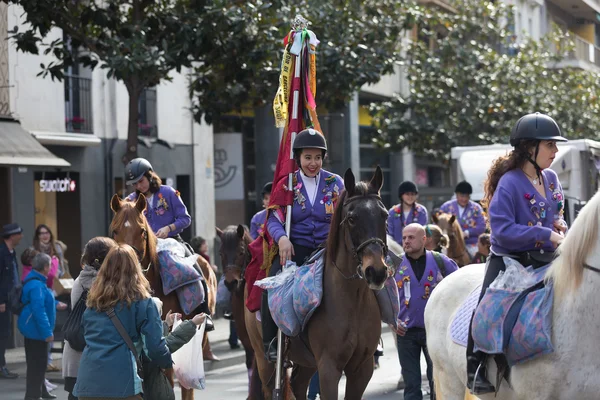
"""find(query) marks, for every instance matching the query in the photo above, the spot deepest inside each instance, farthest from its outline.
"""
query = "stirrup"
(472, 390)
(271, 350)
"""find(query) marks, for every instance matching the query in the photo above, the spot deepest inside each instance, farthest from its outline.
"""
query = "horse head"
(234, 253)
(360, 224)
(448, 224)
(129, 225)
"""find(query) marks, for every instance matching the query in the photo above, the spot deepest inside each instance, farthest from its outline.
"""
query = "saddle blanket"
(296, 293)
(178, 273)
(517, 324)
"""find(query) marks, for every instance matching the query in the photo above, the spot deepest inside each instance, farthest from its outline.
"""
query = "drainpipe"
(109, 159)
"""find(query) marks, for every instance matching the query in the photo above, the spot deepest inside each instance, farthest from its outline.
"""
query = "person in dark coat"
(9, 278)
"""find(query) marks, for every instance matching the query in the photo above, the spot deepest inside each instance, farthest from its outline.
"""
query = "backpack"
(440, 263)
(15, 304)
(73, 329)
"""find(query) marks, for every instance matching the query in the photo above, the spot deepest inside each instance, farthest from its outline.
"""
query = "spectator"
(483, 249)
(9, 278)
(107, 368)
(36, 324)
(27, 260)
(435, 240)
(94, 253)
(44, 242)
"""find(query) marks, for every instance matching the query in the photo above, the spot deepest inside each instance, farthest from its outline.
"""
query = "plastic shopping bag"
(188, 363)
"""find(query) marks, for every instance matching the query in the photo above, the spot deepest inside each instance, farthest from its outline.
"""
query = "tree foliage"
(359, 44)
(477, 81)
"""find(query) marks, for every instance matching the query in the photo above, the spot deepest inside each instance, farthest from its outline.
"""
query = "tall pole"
(298, 25)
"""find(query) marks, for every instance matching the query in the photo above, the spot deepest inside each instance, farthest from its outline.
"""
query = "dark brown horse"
(457, 249)
(235, 256)
(343, 333)
(129, 225)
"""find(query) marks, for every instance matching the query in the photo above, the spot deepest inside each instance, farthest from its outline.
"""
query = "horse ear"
(349, 182)
(452, 219)
(241, 231)
(434, 218)
(140, 203)
(377, 181)
(219, 232)
(115, 203)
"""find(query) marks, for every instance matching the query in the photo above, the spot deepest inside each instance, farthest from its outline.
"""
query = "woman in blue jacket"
(108, 368)
(36, 324)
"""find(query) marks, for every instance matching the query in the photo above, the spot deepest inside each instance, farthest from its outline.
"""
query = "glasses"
(43, 233)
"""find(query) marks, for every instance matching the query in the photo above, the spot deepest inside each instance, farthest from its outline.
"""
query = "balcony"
(579, 8)
(584, 55)
(78, 104)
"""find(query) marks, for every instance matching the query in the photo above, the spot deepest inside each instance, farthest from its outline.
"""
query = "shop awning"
(18, 147)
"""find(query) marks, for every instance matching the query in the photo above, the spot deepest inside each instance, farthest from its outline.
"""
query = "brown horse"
(457, 249)
(129, 225)
(343, 333)
(235, 256)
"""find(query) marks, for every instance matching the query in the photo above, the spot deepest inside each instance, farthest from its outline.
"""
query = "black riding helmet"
(310, 139)
(136, 169)
(538, 127)
(267, 188)
(407, 187)
(464, 187)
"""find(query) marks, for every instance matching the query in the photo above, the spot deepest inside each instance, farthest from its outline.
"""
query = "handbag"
(73, 329)
(155, 384)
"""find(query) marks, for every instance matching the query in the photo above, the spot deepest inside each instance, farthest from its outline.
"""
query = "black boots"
(477, 382)
(269, 330)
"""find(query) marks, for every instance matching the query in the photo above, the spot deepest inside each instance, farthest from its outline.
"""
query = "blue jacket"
(39, 314)
(107, 367)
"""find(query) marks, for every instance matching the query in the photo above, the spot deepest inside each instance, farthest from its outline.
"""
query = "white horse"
(394, 246)
(573, 370)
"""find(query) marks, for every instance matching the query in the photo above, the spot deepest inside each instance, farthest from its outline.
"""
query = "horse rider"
(468, 214)
(525, 205)
(406, 212)
(417, 276)
(258, 220)
(315, 195)
(166, 213)
(435, 240)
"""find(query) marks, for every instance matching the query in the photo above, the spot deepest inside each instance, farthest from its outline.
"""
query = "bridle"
(140, 253)
(356, 250)
(452, 235)
(247, 259)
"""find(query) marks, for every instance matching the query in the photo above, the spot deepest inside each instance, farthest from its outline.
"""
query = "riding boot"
(477, 381)
(269, 329)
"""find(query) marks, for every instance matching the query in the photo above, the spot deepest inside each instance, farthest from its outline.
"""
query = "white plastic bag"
(516, 278)
(188, 363)
(282, 277)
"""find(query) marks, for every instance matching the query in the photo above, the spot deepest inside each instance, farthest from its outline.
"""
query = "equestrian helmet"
(310, 139)
(464, 187)
(267, 188)
(136, 169)
(536, 126)
(407, 187)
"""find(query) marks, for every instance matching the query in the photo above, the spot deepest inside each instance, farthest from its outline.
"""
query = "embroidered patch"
(330, 179)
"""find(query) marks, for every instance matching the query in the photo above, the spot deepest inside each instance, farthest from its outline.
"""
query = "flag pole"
(299, 24)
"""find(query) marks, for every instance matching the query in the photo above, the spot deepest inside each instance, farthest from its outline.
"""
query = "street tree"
(470, 81)
(137, 42)
(360, 42)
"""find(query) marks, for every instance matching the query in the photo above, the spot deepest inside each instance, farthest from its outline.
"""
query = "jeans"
(314, 387)
(3, 344)
(233, 337)
(409, 353)
(36, 356)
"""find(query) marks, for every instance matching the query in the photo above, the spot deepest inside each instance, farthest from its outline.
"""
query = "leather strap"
(121, 329)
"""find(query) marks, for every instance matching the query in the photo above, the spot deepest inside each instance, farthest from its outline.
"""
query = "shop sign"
(58, 185)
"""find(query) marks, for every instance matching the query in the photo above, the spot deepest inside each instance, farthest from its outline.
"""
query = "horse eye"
(351, 220)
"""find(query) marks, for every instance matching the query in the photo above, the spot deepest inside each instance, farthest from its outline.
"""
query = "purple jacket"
(310, 224)
(472, 219)
(521, 219)
(257, 223)
(167, 208)
(396, 221)
(413, 294)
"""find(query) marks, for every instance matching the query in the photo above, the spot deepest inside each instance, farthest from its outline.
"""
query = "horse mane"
(566, 270)
(361, 189)
(128, 212)
(230, 235)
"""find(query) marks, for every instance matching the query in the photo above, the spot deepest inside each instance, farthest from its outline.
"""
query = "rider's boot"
(477, 381)
(269, 329)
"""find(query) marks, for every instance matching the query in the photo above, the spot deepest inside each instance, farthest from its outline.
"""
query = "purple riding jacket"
(396, 221)
(472, 219)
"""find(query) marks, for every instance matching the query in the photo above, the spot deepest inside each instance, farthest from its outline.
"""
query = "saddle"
(513, 323)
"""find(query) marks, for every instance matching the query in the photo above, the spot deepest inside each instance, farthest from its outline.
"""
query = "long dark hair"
(515, 159)
(95, 251)
(36, 239)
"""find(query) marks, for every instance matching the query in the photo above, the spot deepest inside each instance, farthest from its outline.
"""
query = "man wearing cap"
(258, 221)
(468, 214)
(9, 278)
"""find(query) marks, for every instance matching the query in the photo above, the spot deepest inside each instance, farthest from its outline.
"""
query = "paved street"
(227, 379)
